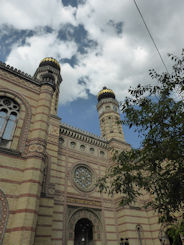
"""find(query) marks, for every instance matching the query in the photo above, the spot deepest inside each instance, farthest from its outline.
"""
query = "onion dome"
(51, 62)
(106, 93)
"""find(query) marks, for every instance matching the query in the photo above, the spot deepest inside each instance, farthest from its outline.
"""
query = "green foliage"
(157, 168)
(176, 231)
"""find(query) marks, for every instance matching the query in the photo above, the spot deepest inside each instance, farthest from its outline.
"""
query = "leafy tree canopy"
(157, 168)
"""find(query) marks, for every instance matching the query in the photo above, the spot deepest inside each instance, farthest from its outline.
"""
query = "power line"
(150, 35)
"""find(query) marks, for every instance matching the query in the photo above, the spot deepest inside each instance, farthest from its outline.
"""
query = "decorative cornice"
(107, 100)
(4, 211)
(85, 136)
(52, 60)
(10, 151)
(46, 68)
(106, 90)
(19, 73)
(118, 141)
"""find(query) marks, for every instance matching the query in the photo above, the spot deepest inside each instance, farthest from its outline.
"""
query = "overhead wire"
(154, 43)
(178, 90)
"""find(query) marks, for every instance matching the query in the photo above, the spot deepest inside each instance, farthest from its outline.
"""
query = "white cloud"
(28, 56)
(24, 14)
(119, 60)
(70, 89)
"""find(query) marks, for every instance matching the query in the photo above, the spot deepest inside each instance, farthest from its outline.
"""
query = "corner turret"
(48, 73)
(108, 110)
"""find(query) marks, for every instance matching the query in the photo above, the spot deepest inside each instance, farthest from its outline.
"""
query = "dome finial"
(50, 61)
(106, 93)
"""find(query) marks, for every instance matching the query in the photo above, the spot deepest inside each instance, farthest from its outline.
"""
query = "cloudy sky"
(97, 42)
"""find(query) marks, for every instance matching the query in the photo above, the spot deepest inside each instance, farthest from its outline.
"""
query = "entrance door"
(83, 232)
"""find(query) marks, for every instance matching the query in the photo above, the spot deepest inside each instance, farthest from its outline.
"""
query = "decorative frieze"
(19, 73)
(82, 135)
(3, 214)
(84, 202)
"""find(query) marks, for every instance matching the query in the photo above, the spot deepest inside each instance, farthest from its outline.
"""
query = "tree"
(176, 232)
(157, 167)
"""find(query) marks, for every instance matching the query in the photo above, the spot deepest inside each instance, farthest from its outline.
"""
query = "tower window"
(9, 111)
(107, 107)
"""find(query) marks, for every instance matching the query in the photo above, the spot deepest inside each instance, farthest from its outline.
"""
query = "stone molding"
(48, 188)
(84, 202)
(82, 135)
(75, 214)
(27, 117)
(19, 73)
(4, 212)
(10, 151)
(119, 142)
(42, 69)
(107, 100)
(93, 177)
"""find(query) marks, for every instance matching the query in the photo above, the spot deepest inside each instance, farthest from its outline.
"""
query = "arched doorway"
(83, 232)
(88, 218)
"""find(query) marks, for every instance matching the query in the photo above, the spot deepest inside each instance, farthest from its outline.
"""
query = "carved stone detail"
(82, 135)
(48, 189)
(4, 212)
(87, 213)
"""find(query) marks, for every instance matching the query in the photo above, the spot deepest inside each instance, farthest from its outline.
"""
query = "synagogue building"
(48, 169)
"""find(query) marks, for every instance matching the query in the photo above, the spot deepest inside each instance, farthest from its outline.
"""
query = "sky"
(97, 42)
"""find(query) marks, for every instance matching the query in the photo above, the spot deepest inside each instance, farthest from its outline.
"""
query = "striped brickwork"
(37, 172)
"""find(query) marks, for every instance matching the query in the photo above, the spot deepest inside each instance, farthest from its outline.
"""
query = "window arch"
(9, 111)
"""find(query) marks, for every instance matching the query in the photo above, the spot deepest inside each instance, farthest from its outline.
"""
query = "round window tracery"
(83, 177)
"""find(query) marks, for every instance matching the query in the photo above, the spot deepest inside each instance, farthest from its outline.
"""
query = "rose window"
(83, 177)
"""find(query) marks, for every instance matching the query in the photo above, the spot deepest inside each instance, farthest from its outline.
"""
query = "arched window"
(9, 111)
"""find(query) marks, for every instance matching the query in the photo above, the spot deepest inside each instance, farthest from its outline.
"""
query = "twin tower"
(108, 107)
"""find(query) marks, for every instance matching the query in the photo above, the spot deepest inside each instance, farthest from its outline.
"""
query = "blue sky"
(97, 42)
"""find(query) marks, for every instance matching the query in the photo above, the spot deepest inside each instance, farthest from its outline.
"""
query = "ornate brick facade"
(48, 171)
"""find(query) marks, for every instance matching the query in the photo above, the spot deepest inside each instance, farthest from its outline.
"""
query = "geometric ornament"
(4, 211)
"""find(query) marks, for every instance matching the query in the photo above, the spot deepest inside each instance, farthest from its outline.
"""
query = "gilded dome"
(105, 93)
(50, 61)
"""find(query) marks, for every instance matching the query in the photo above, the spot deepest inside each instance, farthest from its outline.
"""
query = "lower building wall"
(56, 216)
